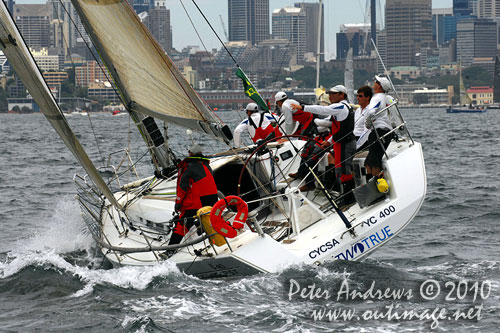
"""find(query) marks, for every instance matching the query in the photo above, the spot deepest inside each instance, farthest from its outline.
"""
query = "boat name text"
(323, 248)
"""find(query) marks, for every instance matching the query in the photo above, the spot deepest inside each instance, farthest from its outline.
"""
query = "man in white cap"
(196, 188)
(296, 121)
(379, 124)
(258, 125)
(342, 117)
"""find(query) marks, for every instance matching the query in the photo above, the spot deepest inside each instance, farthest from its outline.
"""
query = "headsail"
(17, 52)
(145, 76)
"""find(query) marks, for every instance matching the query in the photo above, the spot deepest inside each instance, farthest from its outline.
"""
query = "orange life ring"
(223, 227)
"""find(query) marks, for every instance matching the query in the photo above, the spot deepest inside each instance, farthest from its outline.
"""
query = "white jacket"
(378, 102)
(246, 125)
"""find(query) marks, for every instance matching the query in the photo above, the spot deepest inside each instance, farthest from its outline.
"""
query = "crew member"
(380, 122)
(294, 117)
(195, 189)
(258, 125)
(364, 95)
(342, 117)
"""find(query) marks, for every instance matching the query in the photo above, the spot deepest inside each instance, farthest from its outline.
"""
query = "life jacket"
(196, 186)
(342, 130)
(304, 119)
(260, 133)
(341, 134)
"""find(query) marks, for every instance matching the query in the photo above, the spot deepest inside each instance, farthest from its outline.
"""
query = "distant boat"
(464, 109)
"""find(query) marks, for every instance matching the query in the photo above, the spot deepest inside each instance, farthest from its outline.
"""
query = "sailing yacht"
(278, 224)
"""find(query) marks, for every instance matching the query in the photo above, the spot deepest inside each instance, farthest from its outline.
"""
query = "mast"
(373, 21)
(318, 49)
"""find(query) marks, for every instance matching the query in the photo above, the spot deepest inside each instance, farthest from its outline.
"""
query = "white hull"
(320, 238)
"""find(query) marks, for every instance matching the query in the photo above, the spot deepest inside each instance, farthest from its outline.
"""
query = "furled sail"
(20, 58)
(143, 73)
(349, 76)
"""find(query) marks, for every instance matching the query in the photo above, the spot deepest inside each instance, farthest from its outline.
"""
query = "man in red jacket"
(195, 189)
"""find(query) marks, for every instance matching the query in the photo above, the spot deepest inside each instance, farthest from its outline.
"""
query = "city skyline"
(184, 34)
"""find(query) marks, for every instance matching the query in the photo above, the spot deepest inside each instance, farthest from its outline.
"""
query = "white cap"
(195, 149)
(252, 107)
(280, 96)
(384, 82)
(338, 89)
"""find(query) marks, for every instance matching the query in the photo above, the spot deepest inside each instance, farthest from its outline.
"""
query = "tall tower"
(248, 20)
(462, 8)
(311, 10)
(158, 23)
(34, 24)
(290, 23)
(408, 25)
(476, 38)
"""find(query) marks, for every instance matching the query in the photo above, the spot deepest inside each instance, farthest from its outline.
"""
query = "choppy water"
(51, 279)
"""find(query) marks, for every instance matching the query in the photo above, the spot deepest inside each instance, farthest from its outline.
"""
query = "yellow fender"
(204, 216)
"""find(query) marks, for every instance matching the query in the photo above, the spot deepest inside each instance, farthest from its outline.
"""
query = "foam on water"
(64, 231)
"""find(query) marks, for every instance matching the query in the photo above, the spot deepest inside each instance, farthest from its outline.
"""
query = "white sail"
(20, 58)
(349, 76)
(145, 76)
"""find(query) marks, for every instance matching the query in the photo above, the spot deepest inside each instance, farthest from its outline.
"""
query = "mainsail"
(145, 76)
(17, 53)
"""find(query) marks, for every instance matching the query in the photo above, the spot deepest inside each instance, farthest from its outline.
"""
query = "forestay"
(144, 74)
(20, 58)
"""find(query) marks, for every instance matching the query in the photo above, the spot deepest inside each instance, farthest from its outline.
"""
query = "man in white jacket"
(379, 123)
(258, 125)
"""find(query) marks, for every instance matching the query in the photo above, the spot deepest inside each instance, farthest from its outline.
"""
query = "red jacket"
(195, 184)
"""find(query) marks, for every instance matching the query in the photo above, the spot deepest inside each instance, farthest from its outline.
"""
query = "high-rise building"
(488, 8)
(290, 23)
(248, 20)
(408, 25)
(476, 38)
(63, 18)
(33, 22)
(444, 25)
(355, 36)
(158, 22)
(463, 8)
(141, 6)
(311, 10)
(10, 5)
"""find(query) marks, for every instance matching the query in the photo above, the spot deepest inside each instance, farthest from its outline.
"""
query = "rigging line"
(196, 30)
(95, 137)
(216, 35)
(90, 49)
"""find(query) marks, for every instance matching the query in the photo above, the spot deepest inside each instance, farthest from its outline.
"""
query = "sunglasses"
(360, 95)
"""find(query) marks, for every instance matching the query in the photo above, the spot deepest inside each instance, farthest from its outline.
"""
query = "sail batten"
(17, 53)
(141, 70)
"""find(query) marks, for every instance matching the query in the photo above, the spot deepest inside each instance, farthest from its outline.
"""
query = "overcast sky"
(336, 12)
